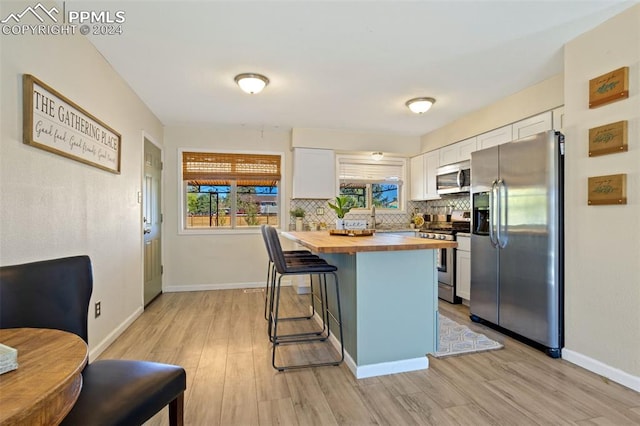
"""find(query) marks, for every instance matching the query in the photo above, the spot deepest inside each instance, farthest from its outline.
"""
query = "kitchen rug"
(456, 339)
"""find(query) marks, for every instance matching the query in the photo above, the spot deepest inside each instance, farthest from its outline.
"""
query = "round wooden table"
(48, 380)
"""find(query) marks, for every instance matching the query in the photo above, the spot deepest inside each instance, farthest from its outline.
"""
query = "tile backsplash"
(318, 211)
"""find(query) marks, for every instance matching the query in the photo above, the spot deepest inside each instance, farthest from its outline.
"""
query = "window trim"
(389, 160)
(182, 199)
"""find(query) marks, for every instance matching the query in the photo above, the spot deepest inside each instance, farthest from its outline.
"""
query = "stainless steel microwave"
(454, 178)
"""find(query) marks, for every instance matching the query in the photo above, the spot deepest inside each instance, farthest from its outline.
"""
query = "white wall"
(602, 277)
(533, 100)
(219, 260)
(208, 261)
(355, 141)
(603, 242)
(52, 206)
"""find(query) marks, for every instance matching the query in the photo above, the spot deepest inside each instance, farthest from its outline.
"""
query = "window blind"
(216, 168)
(354, 171)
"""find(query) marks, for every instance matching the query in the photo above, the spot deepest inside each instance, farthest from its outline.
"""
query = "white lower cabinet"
(463, 267)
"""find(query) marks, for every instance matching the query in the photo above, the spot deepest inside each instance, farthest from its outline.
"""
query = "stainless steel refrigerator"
(517, 239)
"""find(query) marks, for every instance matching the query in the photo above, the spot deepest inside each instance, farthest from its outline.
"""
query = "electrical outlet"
(98, 309)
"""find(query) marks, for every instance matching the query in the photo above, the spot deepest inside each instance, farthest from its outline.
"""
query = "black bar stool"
(293, 258)
(284, 268)
(290, 255)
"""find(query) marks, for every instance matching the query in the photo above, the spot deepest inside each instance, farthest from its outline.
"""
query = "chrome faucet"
(373, 217)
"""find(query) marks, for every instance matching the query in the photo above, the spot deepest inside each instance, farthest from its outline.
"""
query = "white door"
(152, 219)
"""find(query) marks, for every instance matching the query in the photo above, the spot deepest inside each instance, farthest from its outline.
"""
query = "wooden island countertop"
(323, 242)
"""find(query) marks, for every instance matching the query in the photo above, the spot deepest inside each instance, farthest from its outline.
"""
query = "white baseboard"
(392, 367)
(595, 366)
(207, 287)
(381, 369)
(302, 289)
(111, 337)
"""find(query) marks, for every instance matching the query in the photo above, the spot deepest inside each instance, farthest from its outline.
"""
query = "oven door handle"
(493, 214)
(459, 179)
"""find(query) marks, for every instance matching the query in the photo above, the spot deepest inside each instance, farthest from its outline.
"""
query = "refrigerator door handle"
(492, 214)
(503, 236)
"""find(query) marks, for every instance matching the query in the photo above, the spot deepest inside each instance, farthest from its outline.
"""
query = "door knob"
(147, 230)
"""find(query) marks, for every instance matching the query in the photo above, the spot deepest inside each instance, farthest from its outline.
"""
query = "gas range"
(438, 235)
(460, 222)
(445, 257)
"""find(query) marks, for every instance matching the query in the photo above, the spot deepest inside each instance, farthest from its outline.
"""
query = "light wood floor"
(219, 337)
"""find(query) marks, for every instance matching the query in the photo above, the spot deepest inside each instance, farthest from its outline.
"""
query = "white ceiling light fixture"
(251, 83)
(420, 105)
(377, 156)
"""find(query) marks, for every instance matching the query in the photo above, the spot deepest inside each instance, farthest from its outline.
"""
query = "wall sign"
(611, 189)
(608, 139)
(54, 123)
(609, 87)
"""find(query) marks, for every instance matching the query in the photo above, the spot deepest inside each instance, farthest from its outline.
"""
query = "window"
(369, 183)
(230, 191)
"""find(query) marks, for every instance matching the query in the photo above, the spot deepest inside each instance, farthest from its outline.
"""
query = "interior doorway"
(152, 221)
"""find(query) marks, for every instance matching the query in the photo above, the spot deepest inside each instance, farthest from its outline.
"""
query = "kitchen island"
(389, 298)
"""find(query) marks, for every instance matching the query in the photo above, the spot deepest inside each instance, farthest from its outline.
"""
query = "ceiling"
(340, 65)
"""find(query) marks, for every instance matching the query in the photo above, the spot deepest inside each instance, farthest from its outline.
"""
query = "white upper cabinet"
(314, 173)
(495, 137)
(423, 176)
(418, 178)
(558, 118)
(459, 151)
(532, 125)
(431, 164)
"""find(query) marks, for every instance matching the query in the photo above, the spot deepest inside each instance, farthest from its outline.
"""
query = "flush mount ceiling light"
(420, 105)
(377, 156)
(251, 83)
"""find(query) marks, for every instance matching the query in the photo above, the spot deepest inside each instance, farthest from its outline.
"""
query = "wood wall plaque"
(611, 189)
(608, 139)
(56, 124)
(610, 87)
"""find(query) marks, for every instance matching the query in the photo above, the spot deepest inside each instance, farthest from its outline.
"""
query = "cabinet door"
(532, 125)
(431, 164)
(418, 178)
(495, 137)
(466, 147)
(314, 173)
(449, 154)
(558, 118)
(463, 274)
(456, 152)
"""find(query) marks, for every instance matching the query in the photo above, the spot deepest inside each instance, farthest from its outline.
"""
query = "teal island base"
(389, 305)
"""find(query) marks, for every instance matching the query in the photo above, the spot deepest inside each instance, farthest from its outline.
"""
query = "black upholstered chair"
(56, 294)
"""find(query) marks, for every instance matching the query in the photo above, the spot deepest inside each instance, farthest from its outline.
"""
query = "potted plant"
(298, 214)
(341, 207)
